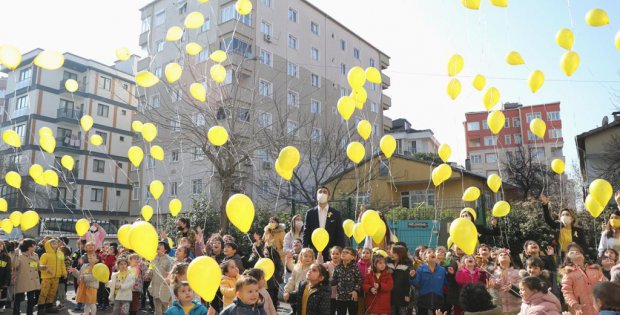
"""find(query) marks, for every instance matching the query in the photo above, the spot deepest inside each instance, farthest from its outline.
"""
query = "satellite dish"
(605, 120)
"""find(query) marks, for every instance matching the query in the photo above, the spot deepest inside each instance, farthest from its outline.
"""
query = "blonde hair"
(299, 263)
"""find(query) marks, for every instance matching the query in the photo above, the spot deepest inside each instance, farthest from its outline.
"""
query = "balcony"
(70, 175)
(386, 102)
(384, 61)
(69, 142)
(23, 84)
(63, 204)
(19, 112)
(73, 114)
(63, 89)
(385, 81)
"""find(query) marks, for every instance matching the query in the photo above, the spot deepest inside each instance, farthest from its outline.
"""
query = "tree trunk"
(226, 189)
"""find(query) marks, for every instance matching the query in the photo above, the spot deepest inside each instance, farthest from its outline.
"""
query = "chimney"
(468, 164)
(616, 115)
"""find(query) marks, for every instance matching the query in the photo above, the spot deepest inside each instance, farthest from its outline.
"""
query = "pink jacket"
(577, 287)
(363, 266)
(96, 237)
(508, 277)
(463, 276)
(541, 304)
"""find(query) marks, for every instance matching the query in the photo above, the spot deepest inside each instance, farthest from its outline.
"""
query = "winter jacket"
(270, 308)
(400, 279)
(577, 286)
(5, 269)
(239, 308)
(177, 309)
(55, 262)
(430, 286)
(609, 312)
(541, 304)
(577, 233)
(495, 311)
(108, 260)
(363, 266)
(463, 276)
(510, 301)
(227, 287)
(298, 275)
(163, 264)
(276, 239)
(608, 242)
(318, 301)
(289, 237)
(237, 260)
(348, 279)
(27, 273)
(89, 280)
(378, 303)
(124, 292)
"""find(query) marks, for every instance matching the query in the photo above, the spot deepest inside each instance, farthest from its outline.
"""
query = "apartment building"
(596, 149)
(287, 67)
(410, 141)
(98, 186)
(487, 153)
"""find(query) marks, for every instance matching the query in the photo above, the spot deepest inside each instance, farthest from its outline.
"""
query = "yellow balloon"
(286, 174)
(135, 155)
(13, 179)
(48, 143)
(494, 182)
(244, 7)
(10, 57)
(454, 88)
(380, 234)
(356, 152)
(444, 152)
(7, 226)
(194, 20)
(175, 206)
(35, 171)
(149, 132)
(123, 54)
(240, 211)
(501, 209)
(359, 233)
(373, 75)
(45, 131)
(218, 56)
(347, 226)
(538, 127)
(86, 122)
(101, 272)
(617, 40)
(146, 79)
(536, 80)
(471, 4)
(565, 38)
(455, 64)
(4, 205)
(174, 33)
(11, 138)
(289, 157)
(359, 96)
(157, 152)
(123, 235)
(51, 178)
(471, 194)
(441, 173)
(267, 266)
(71, 85)
(464, 234)
(500, 3)
(490, 98)
(569, 62)
(479, 82)
(320, 238)
(49, 60)
(513, 58)
(387, 145)
(217, 135)
(144, 240)
(193, 49)
(364, 129)
(67, 162)
(593, 206)
(156, 188)
(146, 212)
(82, 226)
(601, 190)
(346, 107)
(173, 72)
(16, 218)
(597, 17)
(198, 92)
(558, 166)
(218, 73)
(136, 126)
(370, 222)
(204, 276)
(496, 121)
(29, 220)
(356, 77)
(96, 140)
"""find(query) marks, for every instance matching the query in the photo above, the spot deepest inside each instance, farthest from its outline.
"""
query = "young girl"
(430, 279)
(312, 295)
(535, 267)
(610, 237)
(365, 262)
(306, 258)
(537, 299)
(469, 272)
(531, 249)
(399, 266)
(135, 267)
(505, 279)
(578, 280)
(87, 290)
(230, 275)
(27, 276)
(177, 275)
(606, 298)
(259, 275)
(120, 287)
(378, 284)
(331, 266)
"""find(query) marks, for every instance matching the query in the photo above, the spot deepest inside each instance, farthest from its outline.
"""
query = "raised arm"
(544, 200)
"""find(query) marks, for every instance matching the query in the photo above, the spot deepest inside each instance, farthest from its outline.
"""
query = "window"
(489, 141)
(344, 92)
(292, 15)
(266, 3)
(66, 75)
(531, 136)
(230, 13)
(265, 88)
(343, 69)
(243, 114)
(518, 139)
(197, 186)
(146, 24)
(475, 159)
(182, 7)
(316, 80)
(121, 138)
(203, 55)
(236, 46)
(198, 154)
(264, 120)
(20, 130)
(485, 125)
(15, 160)
(314, 54)
(315, 106)
(343, 45)
(154, 101)
(373, 87)
(356, 53)
(507, 139)
(553, 116)
(474, 143)
(292, 127)
(123, 112)
(265, 28)
(371, 62)
(206, 26)
(516, 122)
(22, 102)
(292, 42)
(25, 75)
(530, 116)
(507, 123)
(200, 119)
(174, 155)
(175, 124)
(473, 126)
(150, 162)
(314, 28)
(292, 98)
(262, 155)
(555, 133)
(491, 158)
(98, 166)
(315, 136)
(158, 72)
(160, 18)
(105, 83)
(160, 46)
(173, 188)
(265, 58)
(135, 192)
(96, 194)
(263, 187)
(537, 153)
(373, 107)
(103, 136)
(103, 110)
(416, 198)
(118, 193)
(293, 70)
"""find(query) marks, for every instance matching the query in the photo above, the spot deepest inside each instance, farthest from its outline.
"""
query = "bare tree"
(526, 171)
(608, 165)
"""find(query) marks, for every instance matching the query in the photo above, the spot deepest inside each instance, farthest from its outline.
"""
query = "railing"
(70, 113)
(63, 204)
(63, 89)
(23, 84)
(19, 112)
(67, 142)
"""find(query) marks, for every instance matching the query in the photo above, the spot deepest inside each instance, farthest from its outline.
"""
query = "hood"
(544, 274)
(570, 268)
(494, 311)
(540, 298)
(48, 247)
(280, 228)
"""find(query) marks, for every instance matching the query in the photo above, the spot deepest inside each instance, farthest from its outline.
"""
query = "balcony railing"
(19, 112)
(70, 113)
(68, 142)
(63, 89)
(23, 84)
(63, 204)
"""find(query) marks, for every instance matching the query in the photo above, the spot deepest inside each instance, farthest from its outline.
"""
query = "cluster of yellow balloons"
(47, 140)
(372, 226)
(475, 4)
(43, 178)
(569, 61)
(287, 161)
(25, 221)
(441, 173)
(455, 66)
(357, 77)
(140, 236)
(240, 211)
(464, 234)
(600, 193)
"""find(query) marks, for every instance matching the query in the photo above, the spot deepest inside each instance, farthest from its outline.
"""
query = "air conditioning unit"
(266, 165)
(267, 38)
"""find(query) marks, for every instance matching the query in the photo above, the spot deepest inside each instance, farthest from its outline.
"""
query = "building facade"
(597, 151)
(488, 153)
(410, 141)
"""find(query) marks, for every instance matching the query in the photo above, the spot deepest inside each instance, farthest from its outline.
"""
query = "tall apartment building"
(410, 141)
(98, 185)
(287, 64)
(3, 82)
(482, 155)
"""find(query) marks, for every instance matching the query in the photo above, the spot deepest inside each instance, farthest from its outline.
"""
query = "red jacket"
(109, 260)
(378, 303)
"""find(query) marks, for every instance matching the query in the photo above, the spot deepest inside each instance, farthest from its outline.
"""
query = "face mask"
(180, 228)
(566, 220)
(273, 225)
(299, 224)
(321, 198)
(615, 223)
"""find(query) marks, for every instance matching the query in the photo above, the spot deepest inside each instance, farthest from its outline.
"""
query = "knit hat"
(471, 211)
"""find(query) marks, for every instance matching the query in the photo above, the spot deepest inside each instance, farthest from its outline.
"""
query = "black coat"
(319, 301)
(333, 225)
(577, 232)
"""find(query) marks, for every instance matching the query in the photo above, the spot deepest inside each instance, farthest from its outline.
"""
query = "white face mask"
(299, 224)
(566, 220)
(321, 198)
(273, 225)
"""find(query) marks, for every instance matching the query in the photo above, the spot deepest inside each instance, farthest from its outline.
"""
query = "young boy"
(248, 300)
(184, 303)
(348, 280)
(429, 279)
(230, 252)
(52, 269)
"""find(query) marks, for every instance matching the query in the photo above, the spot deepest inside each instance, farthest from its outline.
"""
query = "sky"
(418, 35)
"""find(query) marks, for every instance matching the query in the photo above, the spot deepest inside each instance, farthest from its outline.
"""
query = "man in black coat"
(326, 217)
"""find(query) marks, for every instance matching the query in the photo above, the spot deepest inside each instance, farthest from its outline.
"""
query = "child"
(441, 252)
(578, 280)
(5, 275)
(469, 273)
(27, 276)
(120, 286)
(430, 279)
(53, 268)
(61, 293)
(399, 266)
(87, 290)
(349, 281)
(259, 275)
(505, 279)
(298, 274)
(108, 257)
(331, 265)
(365, 263)
(483, 258)
(230, 275)
(248, 300)
(185, 304)
(537, 299)
(230, 253)
(606, 298)
(377, 285)
(312, 295)
(534, 267)
(531, 249)
(177, 275)
(135, 267)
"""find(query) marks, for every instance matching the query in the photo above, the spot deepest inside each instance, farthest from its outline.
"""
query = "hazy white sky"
(419, 36)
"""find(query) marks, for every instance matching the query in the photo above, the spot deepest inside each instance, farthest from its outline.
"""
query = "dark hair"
(120, 260)
(179, 285)
(166, 246)
(351, 250)
(186, 222)
(245, 280)
(375, 260)
(615, 253)
(184, 249)
(535, 262)
(275, 219)
(609, 230)
(26, 244)
(231, 245)
(254, 273)
(9, 246)
(66, 251)
(179, 269)
(535, 284)
(115, 250)
(224, 266)
(64, 239)
(83, 242)
(324, 187)
(607, 292)
(476, 298)
(403, 244)
(401, 252)
(323, 272)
